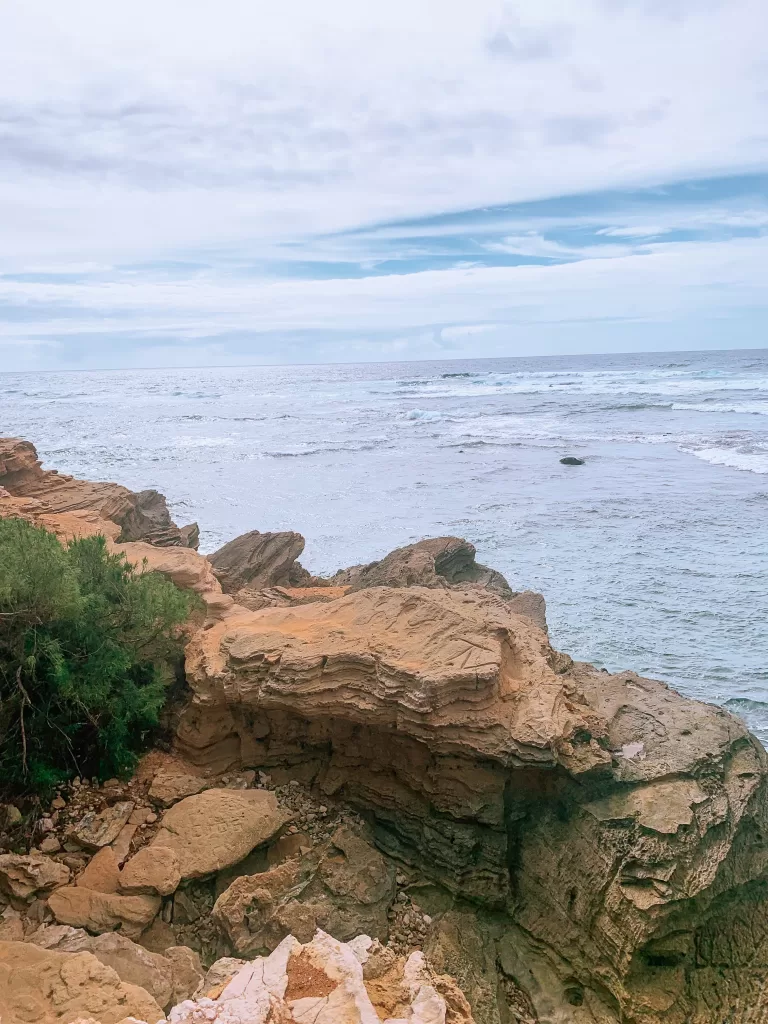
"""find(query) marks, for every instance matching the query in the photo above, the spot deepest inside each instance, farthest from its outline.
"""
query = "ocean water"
(652, 556)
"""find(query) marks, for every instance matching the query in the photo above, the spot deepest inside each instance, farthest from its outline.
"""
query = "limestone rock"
(103, 912)
(101, 873)
(172, 784)
(343, 888)
(218, 828)
(153, 871)
(259, 560)
(95, 830)
(51, 987)
(24, 876)
(323, 982)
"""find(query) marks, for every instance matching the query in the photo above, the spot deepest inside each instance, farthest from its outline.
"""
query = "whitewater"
(652, 555)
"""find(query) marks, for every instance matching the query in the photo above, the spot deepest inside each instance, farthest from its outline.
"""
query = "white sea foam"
(753, 458)
(750, 408)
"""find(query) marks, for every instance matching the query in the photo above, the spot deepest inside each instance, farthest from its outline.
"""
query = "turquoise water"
(652, 556)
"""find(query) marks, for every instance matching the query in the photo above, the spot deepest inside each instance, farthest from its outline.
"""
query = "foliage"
(87, 644)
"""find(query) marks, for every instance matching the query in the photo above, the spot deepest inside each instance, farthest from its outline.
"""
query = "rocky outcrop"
(436, 562)
(142, 516)
(260, 560)
(50, 987)
(601, 830)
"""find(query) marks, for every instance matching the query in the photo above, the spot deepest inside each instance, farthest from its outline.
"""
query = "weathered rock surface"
(260, 560)
(103, 912)
(153, 871)
(168, 978)
(218, 828)
(25, 876)
(613, 826)
(436, 562)
(101, 873)
(51, 987)
(172, 784)
(142, 516)
(344, 888)
(97, 829)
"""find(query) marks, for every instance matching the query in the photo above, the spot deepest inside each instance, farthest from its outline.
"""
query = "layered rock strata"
(140, 517)
(603, 829)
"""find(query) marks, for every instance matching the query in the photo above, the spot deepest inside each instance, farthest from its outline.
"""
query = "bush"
(87, 645)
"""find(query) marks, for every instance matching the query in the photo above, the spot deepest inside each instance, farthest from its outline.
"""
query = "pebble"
(50, 845)
(46, 825)
(151, 818)
(58, 803)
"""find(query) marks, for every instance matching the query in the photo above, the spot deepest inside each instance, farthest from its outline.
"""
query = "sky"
(190, 183)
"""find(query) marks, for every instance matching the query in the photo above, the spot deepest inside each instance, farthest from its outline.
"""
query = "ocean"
(653, 555)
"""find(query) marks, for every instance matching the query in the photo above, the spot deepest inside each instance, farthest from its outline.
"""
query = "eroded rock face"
(344, 888)
(260, 560)
(613, 826)
(142, 516)
(51, 987)
(24, 876)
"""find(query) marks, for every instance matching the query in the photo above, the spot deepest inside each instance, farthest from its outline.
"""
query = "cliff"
(573, 846)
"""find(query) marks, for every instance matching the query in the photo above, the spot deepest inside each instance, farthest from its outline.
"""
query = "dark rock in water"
(571, 460)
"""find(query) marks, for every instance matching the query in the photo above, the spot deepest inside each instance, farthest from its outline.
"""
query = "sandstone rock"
(344, 888)
(182, 566)
(217, 828)
(50, 987)
(258, 560)
(50, 845)
(24, 876)
(219, 974)
(95, 830)
(101, 873)
(323, 982)
(10, 815)
(103, 912)
(121, 847)
(132, 963)
(187, 972)
(172, 784)
(143, 516)
(153, 871)
(437, 562)
(494, 765)
(11, 926)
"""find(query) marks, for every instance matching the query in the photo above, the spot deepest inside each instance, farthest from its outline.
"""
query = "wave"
(752, 458)
(750, 408)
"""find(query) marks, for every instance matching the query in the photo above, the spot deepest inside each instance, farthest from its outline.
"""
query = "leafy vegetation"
(87, 646)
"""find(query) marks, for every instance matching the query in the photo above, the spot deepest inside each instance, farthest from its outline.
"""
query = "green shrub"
(87, 645)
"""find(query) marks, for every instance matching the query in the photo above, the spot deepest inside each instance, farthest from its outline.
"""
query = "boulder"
(25, 876)
(182, 566)
(344, 888)
(51, 987)
(103, 912)
(436, 562)
(97, 829)
(153, 871)
(259, 560)
(101, 873)
(324, 982)
(172, 784)
(218, 828)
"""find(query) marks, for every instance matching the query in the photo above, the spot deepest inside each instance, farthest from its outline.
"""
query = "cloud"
(166, 151)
